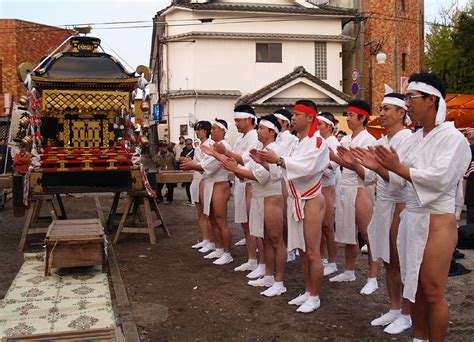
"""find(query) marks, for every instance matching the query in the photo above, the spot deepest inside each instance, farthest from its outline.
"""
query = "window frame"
(269, 56)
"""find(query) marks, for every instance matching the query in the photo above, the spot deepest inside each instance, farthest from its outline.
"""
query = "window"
(183, 130)
(268, 52)
(403, 5)
(404, 61)
(320, 60)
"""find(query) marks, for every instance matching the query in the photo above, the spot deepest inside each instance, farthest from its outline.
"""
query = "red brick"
(24, 41)
(403, 33)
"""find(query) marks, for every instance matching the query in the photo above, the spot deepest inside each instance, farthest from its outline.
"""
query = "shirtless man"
(266, 209)
(383, 228)
(427, 236)
(302, 170)
(216, 195)
(356, 194)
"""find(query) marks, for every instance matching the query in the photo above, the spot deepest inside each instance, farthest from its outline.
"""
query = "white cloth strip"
(217, 123)
(394, 101)
(243, 115)
(428, 89)
(281, 117)
(270, 125)
(326, 120)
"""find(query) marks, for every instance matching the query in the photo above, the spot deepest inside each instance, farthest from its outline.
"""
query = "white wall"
(206, 109)
(181, 21)
(230, 64)
(220, 64)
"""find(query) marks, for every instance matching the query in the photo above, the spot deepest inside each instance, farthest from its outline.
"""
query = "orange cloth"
(22, 162)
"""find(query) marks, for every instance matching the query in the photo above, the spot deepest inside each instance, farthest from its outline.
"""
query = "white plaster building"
(208, 56)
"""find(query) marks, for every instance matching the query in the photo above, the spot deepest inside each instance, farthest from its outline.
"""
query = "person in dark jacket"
(188, 151)
(165, 161)
(469, 197)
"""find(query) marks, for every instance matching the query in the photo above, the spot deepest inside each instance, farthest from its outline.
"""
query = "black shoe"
(457, 270)
(458, 255)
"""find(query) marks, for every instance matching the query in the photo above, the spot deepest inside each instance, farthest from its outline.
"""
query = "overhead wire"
(189, 22)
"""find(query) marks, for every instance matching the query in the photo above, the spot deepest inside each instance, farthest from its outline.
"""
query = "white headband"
(428, 89)
(394, 101)
(397, 102)
(243, 115)
(217, 123)
(326, 120)
(281, 117)
(270, 125)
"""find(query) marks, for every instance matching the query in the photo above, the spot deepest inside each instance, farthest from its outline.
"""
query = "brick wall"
(401, 31)
(23, 41)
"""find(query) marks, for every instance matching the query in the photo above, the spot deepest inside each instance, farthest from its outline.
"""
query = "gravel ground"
(181, 296)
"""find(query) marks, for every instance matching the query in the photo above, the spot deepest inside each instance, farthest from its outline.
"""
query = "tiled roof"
(273, 8)
(297, 73)
(209, 93)
(267, 36)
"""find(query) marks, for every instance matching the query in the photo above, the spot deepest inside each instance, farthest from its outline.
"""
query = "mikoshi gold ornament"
(27, 140)
(23, 100)
(24, 69)
(24, 122)
(145, 107)
(141, 69)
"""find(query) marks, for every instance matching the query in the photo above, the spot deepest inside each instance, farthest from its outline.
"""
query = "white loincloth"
(194, 187)
(208, 189)
(257, 206)
(295, 228)
(345, 215)
(379, 230)
(411, 242)
(240, 202)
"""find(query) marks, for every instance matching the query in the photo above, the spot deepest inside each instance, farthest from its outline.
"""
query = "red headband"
(305, 109)
(358, 111)
(310, 111)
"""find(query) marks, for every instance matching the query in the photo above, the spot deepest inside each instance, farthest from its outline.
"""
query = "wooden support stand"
(135, 200)
(75, 243)
(113, 212)
(34, 224)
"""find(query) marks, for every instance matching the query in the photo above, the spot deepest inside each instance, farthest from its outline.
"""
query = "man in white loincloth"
(354, 200)
(245, 121)
(216, 195)
(266, 209)
(430, 165)
(203, 133)
(302, 170)
(285, 141)
(326, 128)
(383, 228)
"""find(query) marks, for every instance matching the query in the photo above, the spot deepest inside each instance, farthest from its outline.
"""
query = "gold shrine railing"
(55, 102)
(86, 133)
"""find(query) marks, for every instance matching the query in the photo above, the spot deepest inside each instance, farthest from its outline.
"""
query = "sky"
(130, 42)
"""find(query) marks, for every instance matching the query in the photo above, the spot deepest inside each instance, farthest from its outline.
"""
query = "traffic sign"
(355, 88)
(355, 75)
